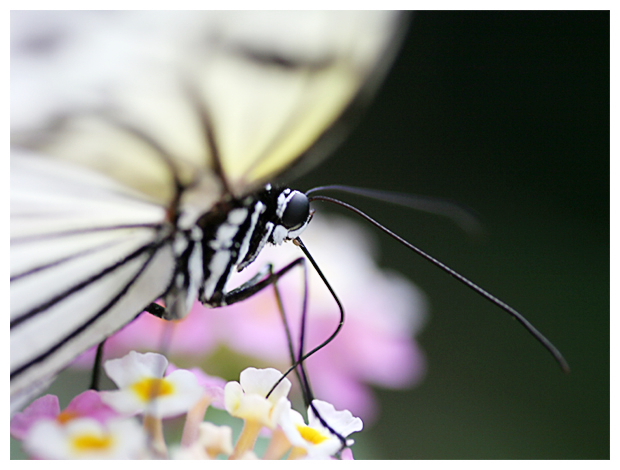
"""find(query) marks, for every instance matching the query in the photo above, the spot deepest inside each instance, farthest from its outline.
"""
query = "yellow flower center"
(92, 442)
(311, 435)
(150, 388)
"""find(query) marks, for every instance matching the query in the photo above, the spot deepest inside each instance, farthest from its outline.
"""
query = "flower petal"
(124, 371)
(86, 438)
(342, 421)
(46, 407)
(261, 381)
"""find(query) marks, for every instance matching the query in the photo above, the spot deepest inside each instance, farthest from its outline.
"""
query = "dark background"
(507, 113)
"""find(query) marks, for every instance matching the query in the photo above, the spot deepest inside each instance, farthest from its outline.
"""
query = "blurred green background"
(507, 113)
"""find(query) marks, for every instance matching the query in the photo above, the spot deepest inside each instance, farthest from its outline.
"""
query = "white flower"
(248, 399)
(86, 438)
(314, 440)
(144, 389)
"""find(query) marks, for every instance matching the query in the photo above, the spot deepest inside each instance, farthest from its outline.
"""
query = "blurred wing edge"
(353, 113)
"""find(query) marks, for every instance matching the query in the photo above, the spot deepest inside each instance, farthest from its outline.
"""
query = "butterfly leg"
(96, 374)
(264, 278)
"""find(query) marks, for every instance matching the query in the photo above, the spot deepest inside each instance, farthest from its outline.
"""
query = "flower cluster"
(106, 425)
(376, 346)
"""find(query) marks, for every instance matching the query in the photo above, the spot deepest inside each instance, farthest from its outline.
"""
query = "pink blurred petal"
(89, 404)
(347, 454)
(343, 391)
(46, 407)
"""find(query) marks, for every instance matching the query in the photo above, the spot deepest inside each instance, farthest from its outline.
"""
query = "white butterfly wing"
(119, 110)
(86, 256)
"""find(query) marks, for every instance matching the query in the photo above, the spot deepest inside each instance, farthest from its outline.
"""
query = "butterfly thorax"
(229, 237)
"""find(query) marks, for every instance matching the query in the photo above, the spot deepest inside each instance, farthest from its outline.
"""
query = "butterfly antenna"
(557, 355)
(462, 216)
(300, 244)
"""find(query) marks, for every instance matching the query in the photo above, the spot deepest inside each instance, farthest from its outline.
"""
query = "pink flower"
(85, 405)
(46, 407)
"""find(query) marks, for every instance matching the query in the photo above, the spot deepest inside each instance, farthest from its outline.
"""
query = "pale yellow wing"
(141, 96)
(277, 80)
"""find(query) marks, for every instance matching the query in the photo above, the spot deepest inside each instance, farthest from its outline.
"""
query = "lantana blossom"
(144, 389)
(86, 438)
(89, 429)
(314, 440)
(248, 398)
(86, 405)
(255, 399)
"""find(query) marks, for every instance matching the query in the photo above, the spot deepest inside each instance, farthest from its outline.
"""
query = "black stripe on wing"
(47, 236)
(60, 261)
(85, 283)
(151, 249)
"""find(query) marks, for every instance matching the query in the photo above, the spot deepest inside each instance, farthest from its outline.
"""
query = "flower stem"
(195, 416)
(155, 430)
(247, 439)
(278, 446)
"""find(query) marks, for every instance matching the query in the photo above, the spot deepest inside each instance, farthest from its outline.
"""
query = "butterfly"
(143, 145)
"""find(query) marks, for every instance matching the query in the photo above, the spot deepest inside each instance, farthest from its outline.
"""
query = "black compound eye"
(296, 212)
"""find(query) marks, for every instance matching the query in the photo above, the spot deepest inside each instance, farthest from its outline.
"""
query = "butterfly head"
(292, 215)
